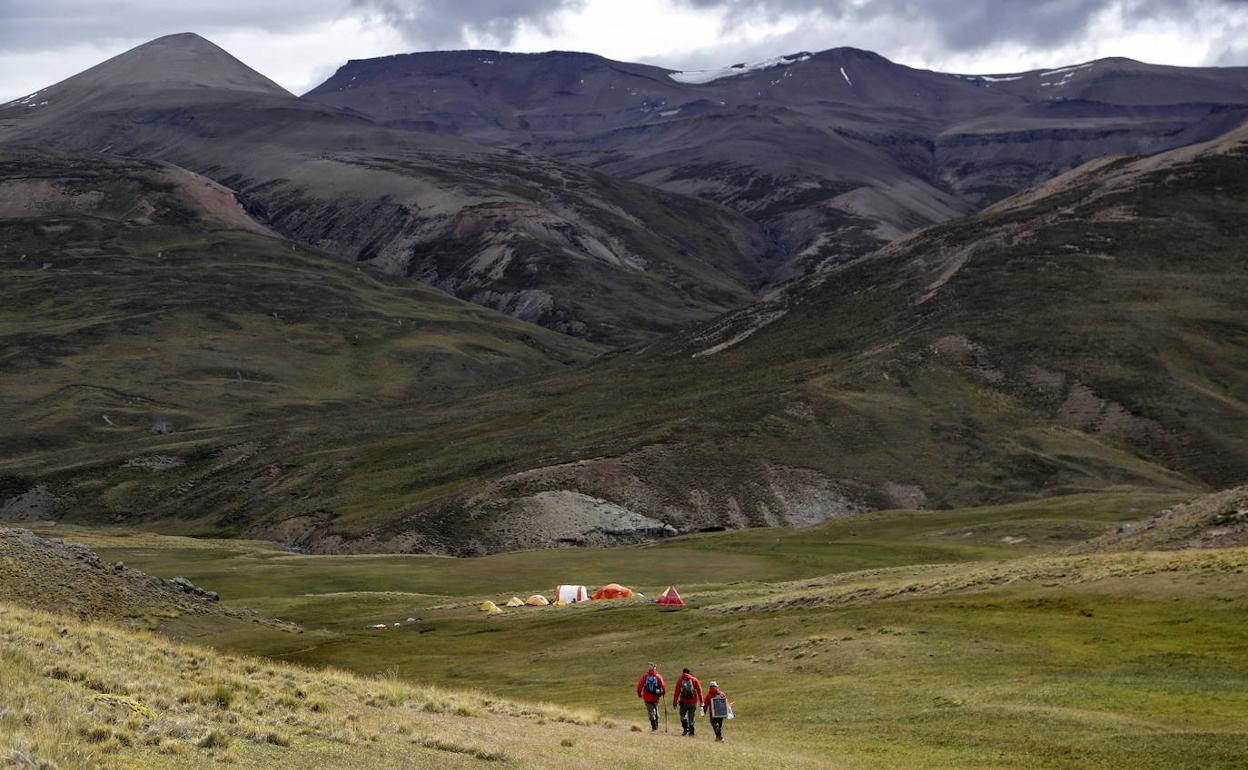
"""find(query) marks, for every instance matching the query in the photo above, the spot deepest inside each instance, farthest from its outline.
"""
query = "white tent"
(571, 594)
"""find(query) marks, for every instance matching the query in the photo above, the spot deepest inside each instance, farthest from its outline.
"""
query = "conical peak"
(184, 60)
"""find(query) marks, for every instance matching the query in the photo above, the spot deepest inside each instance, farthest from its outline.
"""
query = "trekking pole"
(665, 716)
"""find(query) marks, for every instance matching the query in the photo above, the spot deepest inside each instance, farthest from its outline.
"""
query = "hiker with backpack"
(718, 708)
(688, 697)
(651, 689)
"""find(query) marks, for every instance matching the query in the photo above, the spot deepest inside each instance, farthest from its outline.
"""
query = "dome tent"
(515, 601)
(670, 598)
(613, 591)
(536, 600)
(571, 594)
(490, 608)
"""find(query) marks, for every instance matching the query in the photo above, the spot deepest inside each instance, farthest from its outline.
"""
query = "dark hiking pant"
(653, 710)
(687, 713)
(717, 724)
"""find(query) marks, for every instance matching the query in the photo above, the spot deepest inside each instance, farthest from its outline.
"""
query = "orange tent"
(670, 597)
(612, 591)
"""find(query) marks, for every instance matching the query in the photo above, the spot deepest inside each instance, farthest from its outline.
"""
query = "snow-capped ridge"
(698, 77)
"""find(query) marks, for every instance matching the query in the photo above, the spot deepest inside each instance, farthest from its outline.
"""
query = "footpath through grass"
(1003, 657)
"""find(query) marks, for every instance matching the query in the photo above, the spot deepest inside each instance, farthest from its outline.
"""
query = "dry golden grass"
(97, 696)
(868, 586)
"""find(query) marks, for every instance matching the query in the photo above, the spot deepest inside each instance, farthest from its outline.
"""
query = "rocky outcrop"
(1219, 520)
(72, 579)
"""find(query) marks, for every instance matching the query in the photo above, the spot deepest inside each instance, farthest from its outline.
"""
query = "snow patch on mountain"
(698, 77)
(1071, 68)
(992, 79)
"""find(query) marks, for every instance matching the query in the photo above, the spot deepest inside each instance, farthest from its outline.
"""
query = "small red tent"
(670, 597)
(613, 591)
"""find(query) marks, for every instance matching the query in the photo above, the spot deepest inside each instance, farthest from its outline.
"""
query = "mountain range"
(832, 153)
(771, 294)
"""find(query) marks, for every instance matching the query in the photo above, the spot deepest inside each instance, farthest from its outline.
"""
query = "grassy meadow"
(964, 638)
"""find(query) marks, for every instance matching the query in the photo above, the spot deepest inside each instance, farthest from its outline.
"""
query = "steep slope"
(557, 244)
(140, 300)
(1086, 336)
(834, 152)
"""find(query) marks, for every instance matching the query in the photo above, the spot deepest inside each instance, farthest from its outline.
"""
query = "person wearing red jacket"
(687, 696)
(651, 689)
(717, 723)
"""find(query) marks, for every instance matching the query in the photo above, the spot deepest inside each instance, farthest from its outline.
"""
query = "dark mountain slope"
(1088, 335)
(835, 152)
(548, 242)
(138, 300)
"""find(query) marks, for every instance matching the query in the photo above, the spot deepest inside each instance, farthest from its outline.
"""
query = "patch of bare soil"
(35, 504)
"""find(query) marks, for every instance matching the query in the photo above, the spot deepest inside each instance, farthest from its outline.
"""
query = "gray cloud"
(33, 25)
(438, 23)
(962, 25)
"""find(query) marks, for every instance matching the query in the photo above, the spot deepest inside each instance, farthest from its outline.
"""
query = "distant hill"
(139, 300)
(1086, 335)
(834, 153)
(549, 242)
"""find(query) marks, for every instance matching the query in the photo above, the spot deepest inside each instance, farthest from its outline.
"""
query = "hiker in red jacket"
(711, 708)
(688, 697)
(650, 688)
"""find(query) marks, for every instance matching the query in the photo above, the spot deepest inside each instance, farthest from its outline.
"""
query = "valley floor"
(900, 639)
(970, 639)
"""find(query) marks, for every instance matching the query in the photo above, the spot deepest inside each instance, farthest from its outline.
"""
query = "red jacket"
(677, 699)
(641, 688)
(710, 695)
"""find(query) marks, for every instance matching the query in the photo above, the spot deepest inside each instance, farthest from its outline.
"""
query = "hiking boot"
(719, 739)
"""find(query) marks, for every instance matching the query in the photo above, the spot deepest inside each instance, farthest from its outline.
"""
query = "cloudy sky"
(300, 42)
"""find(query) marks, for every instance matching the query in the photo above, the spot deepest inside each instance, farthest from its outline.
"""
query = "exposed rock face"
(35, 504)
(564, 518)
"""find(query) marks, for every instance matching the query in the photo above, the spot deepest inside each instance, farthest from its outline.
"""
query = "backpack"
(652, 685)
(686, 689)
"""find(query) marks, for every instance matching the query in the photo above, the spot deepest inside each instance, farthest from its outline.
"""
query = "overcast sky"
(301, 42)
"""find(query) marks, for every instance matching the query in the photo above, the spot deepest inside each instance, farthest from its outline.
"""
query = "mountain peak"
(181, 61)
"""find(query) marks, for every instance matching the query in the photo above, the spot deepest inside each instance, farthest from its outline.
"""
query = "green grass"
(247, 572)
(845, 641)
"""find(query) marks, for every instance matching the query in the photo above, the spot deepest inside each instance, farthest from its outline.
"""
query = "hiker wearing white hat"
(718, 708)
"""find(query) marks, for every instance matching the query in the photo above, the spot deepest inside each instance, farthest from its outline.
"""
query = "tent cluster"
(573, 594)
